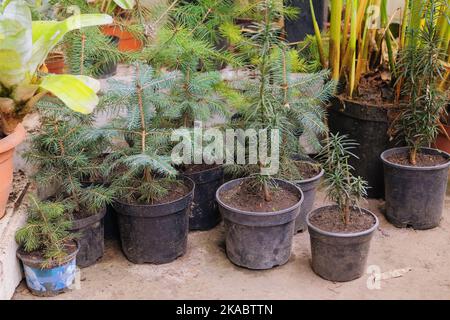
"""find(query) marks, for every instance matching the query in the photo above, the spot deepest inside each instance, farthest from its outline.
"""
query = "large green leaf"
(15, 43)
(125, 4)
(77, 92)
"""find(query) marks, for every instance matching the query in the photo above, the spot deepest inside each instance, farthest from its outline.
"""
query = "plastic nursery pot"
(442, 142)
(7, 147)
(259, 240)
(90, 239)
(368, 126)
(309, 188)
(339, 256)
(155, 233)
(204, 213)
(48, 282)
(414, 195)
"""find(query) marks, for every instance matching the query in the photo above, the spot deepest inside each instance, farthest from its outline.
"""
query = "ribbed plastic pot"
(415, 195)
(367, 125)
(90, 239)
(48, 282)
(155, 233)
(259, 240)
(204, 213)
(339, 256)
(309, 188)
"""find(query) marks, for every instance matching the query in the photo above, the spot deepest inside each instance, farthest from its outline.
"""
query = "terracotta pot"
(7, 146)
(442, 142)
(111, 30)
(127, 42)
(55, 63)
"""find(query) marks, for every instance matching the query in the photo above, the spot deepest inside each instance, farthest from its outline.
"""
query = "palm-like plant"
(356, 46)
(24, 45)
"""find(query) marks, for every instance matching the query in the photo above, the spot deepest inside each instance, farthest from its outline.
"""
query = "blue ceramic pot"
(47, 282)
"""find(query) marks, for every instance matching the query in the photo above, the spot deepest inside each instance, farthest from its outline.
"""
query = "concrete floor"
(416, 264)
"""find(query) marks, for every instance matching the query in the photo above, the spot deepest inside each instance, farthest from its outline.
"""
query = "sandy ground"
(206, 273)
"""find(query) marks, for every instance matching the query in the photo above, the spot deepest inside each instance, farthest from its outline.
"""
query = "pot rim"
(83, 222)
(165, 203)
(342, 235)
(14, 139)
(38, 264)
(260, 213)
(416, 168)
(217, 167)
(316, 177)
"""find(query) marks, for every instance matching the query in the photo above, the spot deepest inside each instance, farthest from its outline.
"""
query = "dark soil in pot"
(311, 178)
(49, 280)
(156, 233)
(339, 252)
(204, 213)
(90, 231)
(366, 119)
(258, 234)
(415, 194)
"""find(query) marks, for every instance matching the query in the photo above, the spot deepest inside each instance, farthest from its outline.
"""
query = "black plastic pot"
(339, 256)
(415, 195)
(111, 226)
(108, 69)
(368, 126)
(309, 188)
(155, 233)
(204, 213)
(259, 240)
(90, 239)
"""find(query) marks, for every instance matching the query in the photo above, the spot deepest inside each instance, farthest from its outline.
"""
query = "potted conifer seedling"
(47, 249)
(195, 98)
(341, 233)
(416, 175)
(259, 211)
(70, 163)
(152, 203)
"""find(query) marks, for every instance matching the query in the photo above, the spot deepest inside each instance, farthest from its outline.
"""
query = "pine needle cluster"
(343, 188)
(68, 161)
(139, 168)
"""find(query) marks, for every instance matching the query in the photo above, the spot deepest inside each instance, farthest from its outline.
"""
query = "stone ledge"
(16, 215)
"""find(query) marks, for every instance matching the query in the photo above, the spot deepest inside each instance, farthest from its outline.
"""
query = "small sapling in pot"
(340, 233)
(47, 249)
